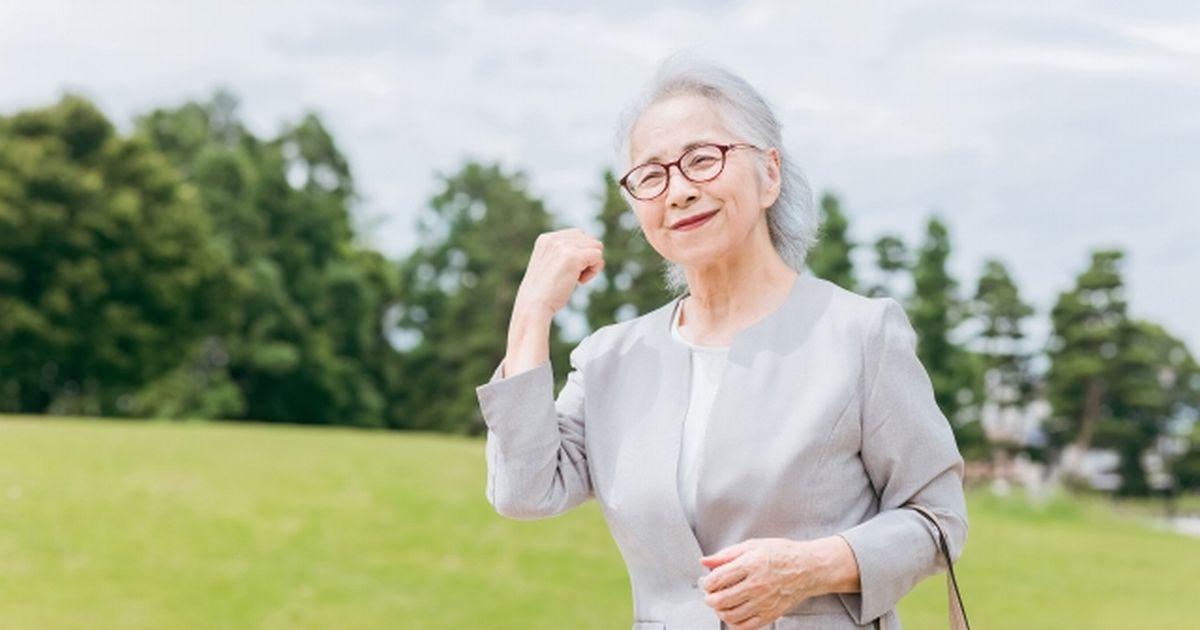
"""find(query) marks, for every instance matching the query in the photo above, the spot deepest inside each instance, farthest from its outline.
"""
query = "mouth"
(694, 221)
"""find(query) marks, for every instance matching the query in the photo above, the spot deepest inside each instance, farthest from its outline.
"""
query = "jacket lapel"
(665, 436)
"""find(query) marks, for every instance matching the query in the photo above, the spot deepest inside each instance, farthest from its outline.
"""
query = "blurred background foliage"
(191, 269)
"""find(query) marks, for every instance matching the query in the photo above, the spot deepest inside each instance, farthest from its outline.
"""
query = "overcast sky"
(1038, 129)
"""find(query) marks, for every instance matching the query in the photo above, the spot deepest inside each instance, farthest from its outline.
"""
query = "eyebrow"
(658, 160)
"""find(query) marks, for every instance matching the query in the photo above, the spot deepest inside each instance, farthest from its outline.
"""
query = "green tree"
(1154, 386)
(830, 258)
(1090, 328)
(631, 282)
(457, 293)
(1001, 312)
(1186, 466)
(936, 311)
(108, 272)
(306, 341)
(1008, 380)
(891, 260)
(1115, 382)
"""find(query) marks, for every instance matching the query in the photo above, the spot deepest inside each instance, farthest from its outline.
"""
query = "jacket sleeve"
(536, 457)
(910, 455)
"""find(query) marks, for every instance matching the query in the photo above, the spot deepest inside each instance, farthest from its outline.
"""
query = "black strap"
(944, 547)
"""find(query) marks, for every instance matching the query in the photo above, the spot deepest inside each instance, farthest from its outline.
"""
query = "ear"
(774, 179)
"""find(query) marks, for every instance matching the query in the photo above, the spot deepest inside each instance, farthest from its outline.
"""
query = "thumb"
(721, 557)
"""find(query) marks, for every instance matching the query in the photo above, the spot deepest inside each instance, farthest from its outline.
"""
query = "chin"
(697, 258)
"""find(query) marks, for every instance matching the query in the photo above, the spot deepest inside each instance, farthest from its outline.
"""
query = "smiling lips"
(693, 221)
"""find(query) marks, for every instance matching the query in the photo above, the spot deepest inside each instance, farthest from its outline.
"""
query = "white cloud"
(1039, 130)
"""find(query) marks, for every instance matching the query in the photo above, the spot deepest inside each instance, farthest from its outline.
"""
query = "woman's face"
(736, 200)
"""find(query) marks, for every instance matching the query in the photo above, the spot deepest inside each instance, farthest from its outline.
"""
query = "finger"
(725, 577)
(727, 601)
(754, 622)
(578, 235)
(743, 613)
(591, 272)
(584, 258)
(723, 556)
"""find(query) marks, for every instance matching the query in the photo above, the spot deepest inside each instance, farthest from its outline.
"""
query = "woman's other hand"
(561, 261)
(755, 582)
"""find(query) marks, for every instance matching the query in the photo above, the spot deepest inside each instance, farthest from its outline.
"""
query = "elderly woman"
(754, 443)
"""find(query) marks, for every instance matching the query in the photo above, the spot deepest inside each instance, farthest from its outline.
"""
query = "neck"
(732, 293)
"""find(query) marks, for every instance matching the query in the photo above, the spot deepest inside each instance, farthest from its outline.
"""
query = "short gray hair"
(792, 220)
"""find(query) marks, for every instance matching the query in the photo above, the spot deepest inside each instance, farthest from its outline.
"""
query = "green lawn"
(107, 524)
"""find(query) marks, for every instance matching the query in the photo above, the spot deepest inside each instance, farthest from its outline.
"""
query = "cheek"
(650, 219)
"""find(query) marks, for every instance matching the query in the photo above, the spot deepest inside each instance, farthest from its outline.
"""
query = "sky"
(1038, 130)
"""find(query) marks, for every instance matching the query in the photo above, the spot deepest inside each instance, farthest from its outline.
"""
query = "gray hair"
(792, 220)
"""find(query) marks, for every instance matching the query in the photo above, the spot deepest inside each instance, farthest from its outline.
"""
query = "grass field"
(121, 525)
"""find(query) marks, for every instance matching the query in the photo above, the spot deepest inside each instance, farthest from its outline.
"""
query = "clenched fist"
(561, 261)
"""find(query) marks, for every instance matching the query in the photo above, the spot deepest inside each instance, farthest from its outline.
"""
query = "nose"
(681, 191)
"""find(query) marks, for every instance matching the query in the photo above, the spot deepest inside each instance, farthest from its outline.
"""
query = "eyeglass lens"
(698, 164)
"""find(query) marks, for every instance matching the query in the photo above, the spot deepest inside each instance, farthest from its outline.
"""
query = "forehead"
(668, 126)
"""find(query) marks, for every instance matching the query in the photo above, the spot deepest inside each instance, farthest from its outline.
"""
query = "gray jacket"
(824, 423)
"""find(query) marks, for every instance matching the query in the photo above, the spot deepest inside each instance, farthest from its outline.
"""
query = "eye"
(648, 178)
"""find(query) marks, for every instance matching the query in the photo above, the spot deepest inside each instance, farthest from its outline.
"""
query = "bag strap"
(958, 615)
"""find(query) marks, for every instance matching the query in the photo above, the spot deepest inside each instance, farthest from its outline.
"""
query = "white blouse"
(708, 362)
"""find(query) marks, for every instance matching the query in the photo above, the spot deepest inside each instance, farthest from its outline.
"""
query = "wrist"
(528, 340)
(839, 567)
(530, 317)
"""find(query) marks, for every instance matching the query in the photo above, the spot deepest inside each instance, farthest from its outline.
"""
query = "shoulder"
(857, 315)
(620, 336)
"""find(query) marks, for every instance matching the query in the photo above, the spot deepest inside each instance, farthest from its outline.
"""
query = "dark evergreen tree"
(108, 270)
(306, 342)
(1090, 328)
(936, 312)
(891, 260)
(458, 289)
(831, 257)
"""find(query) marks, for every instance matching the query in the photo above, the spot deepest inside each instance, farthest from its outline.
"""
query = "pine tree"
(936, 312)
(1008, 382)
(1090, 328)
(1155, 386)
(830, 258)
(891, 260)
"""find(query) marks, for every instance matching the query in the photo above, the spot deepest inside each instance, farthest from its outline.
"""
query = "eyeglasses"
(699, 164)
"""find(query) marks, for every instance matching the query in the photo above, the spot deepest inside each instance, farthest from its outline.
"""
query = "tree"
(631, 282)
(108, 272)
(891, 259)
(830, 258)
(457, 293)
(998, 306)
(1186, 466)
(1009, 383)
(1154, 385)
(306, 342)
(936, 312)
(1116, 382)
(1090, 327)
